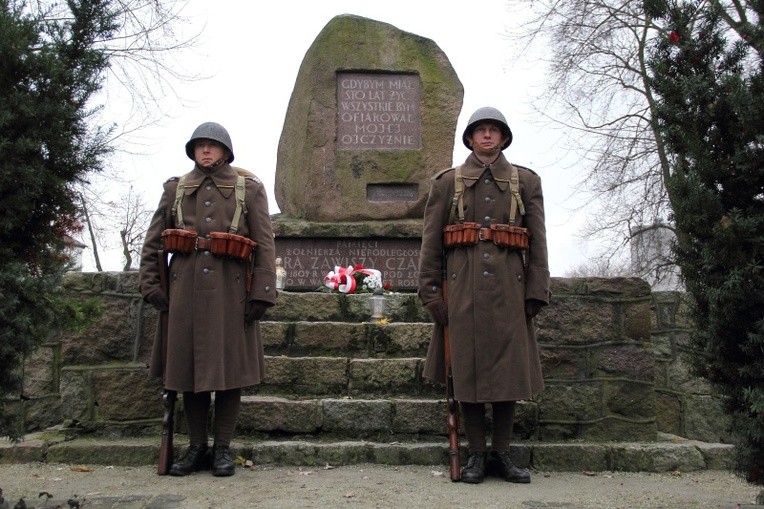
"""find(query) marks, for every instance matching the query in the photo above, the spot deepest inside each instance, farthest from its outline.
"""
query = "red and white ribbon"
(341, 279)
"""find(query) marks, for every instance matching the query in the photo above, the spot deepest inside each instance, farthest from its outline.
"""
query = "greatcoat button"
(207, 219)
(486, 273)
(207, 203)
(206, 270)
(487, 199)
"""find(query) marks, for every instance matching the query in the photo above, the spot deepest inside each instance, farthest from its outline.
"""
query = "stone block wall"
(611, 358)
(597, 361)
(97, 378)
(684, 404)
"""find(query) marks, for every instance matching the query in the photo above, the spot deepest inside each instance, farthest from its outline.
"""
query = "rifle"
(451, 405)
(168, 396)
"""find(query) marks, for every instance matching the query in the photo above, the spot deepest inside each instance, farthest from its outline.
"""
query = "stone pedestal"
(371, 119)
(310, 250)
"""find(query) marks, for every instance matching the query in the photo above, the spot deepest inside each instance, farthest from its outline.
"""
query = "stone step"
(668, 455)
(341, 307)
(384, 419)
(303, 338)
(343, 376)
(268, 416)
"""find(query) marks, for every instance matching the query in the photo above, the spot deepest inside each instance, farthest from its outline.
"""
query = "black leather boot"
(501, 463)
(222, 461)
(197, 458)
(474, 471)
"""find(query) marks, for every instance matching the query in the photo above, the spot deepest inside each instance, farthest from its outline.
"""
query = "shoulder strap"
(177, 208)
(515, 202)
(457, 203)
(241, 205)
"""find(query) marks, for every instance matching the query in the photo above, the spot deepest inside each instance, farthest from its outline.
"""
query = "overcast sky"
(252, 52)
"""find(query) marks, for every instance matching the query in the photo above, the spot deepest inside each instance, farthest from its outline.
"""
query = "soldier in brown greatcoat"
(217, 295)
(496, 283)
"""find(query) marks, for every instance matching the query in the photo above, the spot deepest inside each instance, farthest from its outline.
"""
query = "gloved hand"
(532, 307)
(254, 310)
(439, 312)
(159, 300)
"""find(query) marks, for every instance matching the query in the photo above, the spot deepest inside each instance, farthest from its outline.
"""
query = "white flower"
(372, 282)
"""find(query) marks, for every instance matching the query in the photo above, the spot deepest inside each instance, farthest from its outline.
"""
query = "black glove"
(532, 307)
(439, 312)
(254, 310)
(159, 300)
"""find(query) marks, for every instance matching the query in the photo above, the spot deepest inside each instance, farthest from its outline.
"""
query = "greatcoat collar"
(473, 168)
(224, 178)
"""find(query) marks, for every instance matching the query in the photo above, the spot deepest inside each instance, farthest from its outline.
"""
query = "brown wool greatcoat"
(494, 353)
(209, 346)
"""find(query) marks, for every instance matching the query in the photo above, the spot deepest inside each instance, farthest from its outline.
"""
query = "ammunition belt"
(176, 240)
(502, 235)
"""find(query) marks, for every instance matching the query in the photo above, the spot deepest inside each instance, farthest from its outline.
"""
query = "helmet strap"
(214, 166)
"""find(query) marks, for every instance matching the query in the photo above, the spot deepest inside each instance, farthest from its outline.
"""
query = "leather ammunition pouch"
(231, 245)
(462, 234)
(502, 235)
(176, 240)
(509, 236)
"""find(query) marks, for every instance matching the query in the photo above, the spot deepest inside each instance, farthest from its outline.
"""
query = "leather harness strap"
(515, 202)
(241, 205)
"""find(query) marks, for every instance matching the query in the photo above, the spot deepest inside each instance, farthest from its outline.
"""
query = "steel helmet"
(481, 115)
(210, 131)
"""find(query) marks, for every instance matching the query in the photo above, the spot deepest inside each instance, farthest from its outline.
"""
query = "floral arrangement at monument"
(355, 279)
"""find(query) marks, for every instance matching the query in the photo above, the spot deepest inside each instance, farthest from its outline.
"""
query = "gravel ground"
(365, 486)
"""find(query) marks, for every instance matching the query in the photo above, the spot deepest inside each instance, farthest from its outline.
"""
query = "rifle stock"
(168, 397)
(454, 461)
(168, 428)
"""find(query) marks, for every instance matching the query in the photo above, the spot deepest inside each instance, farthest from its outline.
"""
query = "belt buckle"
(480, 233)
(197, 247)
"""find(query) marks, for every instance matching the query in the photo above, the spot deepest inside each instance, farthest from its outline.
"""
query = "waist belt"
(485, 234)
(202, 244)
(470, 234)
(178, 240)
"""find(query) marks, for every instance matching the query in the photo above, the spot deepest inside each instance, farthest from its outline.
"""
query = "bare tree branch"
(145, 66)
(597, 88)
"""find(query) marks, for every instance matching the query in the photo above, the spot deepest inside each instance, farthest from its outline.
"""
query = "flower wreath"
(354, 279)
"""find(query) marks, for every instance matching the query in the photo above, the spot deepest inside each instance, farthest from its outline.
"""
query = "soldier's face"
(207, 151)
(487, 139)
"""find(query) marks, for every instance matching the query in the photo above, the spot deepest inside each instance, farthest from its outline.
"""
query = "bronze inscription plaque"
(308, 260)
(378, 111)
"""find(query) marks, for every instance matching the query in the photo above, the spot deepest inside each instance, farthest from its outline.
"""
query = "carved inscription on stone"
(378, 111)
(392, 192)
(308, 260)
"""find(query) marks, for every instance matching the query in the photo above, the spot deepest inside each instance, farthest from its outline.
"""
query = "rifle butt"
(454, 459)
(168, 430)
(454, 466)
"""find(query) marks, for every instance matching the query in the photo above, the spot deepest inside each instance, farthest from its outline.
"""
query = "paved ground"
(362, 486)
